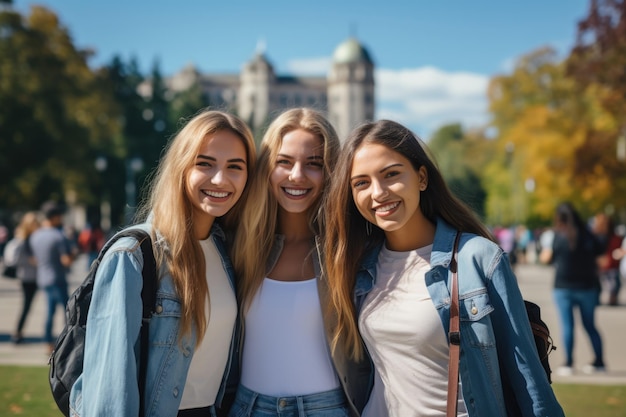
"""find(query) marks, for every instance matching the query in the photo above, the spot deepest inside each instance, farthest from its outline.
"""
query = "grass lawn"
(25, 392)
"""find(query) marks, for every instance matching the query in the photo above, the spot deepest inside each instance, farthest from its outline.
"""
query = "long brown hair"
(346, 240)
(257, 228)
(171, 211)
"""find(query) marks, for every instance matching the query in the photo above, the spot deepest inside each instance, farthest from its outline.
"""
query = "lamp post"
(621, 146)
(133, 166)
(509, 148)
(105, 206)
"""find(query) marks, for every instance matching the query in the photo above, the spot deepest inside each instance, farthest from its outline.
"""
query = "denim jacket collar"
(441, 256)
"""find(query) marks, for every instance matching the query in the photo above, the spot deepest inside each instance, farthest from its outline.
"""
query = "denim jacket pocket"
(166, 320)
(475, 313)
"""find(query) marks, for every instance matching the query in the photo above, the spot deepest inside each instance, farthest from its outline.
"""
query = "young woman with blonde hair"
(192, 201)
(391, 224)
(287, 369)
(26, 267)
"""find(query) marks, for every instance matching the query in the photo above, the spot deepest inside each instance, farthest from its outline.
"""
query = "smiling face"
(386, 190)
(218, 177)
(298, 175)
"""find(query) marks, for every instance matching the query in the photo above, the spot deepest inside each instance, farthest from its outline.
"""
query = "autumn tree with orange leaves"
(558, 123)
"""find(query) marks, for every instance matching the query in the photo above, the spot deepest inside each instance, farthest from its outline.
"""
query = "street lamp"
(101, 165)
(133, 166)
(621, 146)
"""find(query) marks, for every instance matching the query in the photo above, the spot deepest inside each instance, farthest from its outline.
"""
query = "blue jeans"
(586, 301)
(324, 404)
(57, 294)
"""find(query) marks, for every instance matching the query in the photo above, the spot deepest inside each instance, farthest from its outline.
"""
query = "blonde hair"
(346, 240)
(255, 234)
(28, 224)
(172, 214)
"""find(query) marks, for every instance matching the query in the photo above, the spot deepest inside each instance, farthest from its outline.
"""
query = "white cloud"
(426, 98)
(422, 99)
(309, 66)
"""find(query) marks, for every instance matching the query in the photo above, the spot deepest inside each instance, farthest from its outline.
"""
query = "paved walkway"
(535, 282)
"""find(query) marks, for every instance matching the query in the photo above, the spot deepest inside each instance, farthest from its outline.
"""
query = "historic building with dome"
(258, 94)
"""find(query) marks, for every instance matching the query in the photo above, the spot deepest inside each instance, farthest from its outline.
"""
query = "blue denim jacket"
(493, 323)
(108, 385)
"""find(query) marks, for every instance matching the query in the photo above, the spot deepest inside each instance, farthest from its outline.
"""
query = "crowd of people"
(311, 278)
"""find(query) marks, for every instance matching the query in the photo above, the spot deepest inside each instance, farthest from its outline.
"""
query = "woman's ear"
(422, 173)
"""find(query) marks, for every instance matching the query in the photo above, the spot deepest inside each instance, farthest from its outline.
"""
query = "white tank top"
(285, 351)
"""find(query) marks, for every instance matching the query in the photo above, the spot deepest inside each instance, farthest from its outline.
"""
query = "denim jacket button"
(175, 392)
(474, 310)
(159, 309)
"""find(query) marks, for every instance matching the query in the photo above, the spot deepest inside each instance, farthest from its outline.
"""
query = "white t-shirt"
(406, 340)
(285, 351)
(209, 360)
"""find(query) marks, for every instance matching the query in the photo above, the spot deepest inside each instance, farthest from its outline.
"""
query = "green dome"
(351, 51)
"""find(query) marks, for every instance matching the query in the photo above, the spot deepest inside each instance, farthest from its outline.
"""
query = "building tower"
(350, 87)
(256, 84)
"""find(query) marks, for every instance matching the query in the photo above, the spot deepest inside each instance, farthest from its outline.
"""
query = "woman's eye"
(203, 164)
(282, 162)
(358, 184)
(237, 167)
(391, 174)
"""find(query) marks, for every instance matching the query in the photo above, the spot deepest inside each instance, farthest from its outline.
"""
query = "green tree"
(185, 104)
(55, 109)
(460, 157)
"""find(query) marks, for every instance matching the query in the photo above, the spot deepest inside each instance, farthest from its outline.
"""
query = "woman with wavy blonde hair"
(26, 267)
(194, 199)
(286, 365)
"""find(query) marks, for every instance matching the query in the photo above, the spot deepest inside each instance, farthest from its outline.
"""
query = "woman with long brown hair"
(391, 224)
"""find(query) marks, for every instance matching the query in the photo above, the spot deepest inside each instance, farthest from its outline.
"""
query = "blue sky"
(433, 58)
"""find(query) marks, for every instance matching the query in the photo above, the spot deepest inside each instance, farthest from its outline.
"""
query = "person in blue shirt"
(390, 231)
(193, 200)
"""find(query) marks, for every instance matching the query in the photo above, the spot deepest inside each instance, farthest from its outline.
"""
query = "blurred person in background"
(53, 255)
(26, 268)
(619, 255)
(604, 229)
(573, 251)
(90, 240)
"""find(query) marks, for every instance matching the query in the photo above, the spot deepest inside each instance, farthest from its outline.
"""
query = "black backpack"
(66, 360)
(543, 340)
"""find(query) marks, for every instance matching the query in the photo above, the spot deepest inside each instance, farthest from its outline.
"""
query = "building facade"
(258, 94)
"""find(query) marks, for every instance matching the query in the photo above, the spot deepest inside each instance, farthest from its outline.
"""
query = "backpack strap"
(454, 335)
(148, 295)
